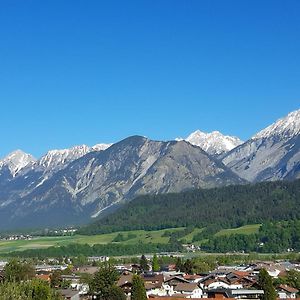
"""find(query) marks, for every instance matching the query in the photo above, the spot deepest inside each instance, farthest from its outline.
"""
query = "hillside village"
(225, 281)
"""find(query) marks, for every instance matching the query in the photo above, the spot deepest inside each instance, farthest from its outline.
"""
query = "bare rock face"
(101, 179)
(272, 154)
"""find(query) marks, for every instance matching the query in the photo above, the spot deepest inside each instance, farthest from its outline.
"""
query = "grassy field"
(45, 242)
(139, 236)
(247, 229)
(189, 237)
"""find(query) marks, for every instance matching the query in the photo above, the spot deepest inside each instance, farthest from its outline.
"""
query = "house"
(68, 294)
(236, 294)
(154, 284)
(189, 290)
(172, 282)
(49, 268)
(216, 282)
(246, 294)
(239, 280)
(192, 278)
(287, 292)
(125, 283)
(98, 258)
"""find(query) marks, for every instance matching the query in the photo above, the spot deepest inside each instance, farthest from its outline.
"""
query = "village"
(225, 281)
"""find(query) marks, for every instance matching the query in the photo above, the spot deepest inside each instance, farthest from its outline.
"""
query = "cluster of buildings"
(225, 282)
(232, 282)
(16, 237)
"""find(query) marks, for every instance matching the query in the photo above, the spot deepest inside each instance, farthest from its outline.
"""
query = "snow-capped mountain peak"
(17, 160)
(57, 159)
(100, 147)
(215, 143)
(287, 126)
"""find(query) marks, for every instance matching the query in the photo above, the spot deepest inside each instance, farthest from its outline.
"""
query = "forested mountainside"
(226, 207)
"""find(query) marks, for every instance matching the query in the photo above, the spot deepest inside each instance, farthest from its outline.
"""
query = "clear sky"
(84, 72)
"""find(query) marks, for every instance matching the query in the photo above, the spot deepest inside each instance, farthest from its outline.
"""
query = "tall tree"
(293, 278)
(155, 263)
(178, 265)
(188, 266)
(266, 284)
(104, 280)
(144, 263)
(138, 291)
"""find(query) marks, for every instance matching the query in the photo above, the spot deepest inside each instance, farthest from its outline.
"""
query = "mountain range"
(71, 186)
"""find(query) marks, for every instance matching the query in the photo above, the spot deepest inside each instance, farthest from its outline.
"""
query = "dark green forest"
(271, 238)
(226, 207)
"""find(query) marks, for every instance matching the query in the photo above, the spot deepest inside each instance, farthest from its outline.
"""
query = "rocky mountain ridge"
(99, 180)
(214, 143)
(71, 186)
(272, 154)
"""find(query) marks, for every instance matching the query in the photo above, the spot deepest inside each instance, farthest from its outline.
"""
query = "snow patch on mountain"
(16, 161)
(287, 126)
(271, 154)
(55, 160)
(58, 159)
(100, 147)
(214, 143)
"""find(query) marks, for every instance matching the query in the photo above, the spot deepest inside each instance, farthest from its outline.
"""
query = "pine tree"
(188, 266)
(179, 265)
(155, 264)
(144, 263)
(138, 291)
(266, 284)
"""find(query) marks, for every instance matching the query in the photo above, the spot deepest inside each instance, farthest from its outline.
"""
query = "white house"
(188, 290)
(287, 292)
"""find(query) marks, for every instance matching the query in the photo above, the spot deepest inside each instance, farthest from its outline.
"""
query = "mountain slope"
(99, 180)
(225, 207)
(214, 143)
(271, 154)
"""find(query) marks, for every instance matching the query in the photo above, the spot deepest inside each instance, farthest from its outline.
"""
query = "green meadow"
(247, 229)
(130, 237)
(45, 242)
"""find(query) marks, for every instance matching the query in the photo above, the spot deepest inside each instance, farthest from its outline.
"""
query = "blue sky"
(83, 72)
